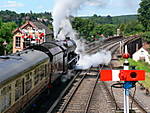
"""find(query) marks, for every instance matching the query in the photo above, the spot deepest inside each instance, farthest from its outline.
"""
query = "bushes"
(140, 65)
(146, 36)
(6, 35)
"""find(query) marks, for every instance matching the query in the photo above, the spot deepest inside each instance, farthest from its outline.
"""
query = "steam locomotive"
(24, 74)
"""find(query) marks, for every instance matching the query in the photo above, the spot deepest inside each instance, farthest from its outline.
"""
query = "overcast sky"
(113, 7)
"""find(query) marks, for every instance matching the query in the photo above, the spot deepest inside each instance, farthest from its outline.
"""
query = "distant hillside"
(19, 18)
(46, 18)
(124, 18)
(112, 19)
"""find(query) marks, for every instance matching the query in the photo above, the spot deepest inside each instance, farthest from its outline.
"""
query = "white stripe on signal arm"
(115, 75)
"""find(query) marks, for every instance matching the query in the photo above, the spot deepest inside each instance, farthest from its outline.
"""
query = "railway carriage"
(25, 74)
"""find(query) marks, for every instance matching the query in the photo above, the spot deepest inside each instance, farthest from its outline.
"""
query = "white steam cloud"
(62, 27)
(62, 11)
(61, 14)
(87, 61)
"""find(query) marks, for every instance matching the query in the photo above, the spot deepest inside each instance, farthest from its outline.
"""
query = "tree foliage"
(105, 29)
(133, 28)
(11, 16)
(144, 18)
(108, 30)
(146, 36)
(112, 20)
(83, 26)
(144, 14)
(6, 35)
(88, 29)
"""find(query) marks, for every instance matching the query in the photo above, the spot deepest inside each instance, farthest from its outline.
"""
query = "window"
(46, 69)
(18, 89)
(28, 82)
(27, 42)
(36, 76)
(5, 98)
(42, 72)
(18, 39)
(142, 59)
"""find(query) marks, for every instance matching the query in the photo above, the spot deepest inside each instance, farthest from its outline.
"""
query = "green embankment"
(142, 66)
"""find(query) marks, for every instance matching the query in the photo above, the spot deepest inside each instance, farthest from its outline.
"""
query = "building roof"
(17, 30)
(141, 51)
(146, 46)
(35, 24)
(40, 25)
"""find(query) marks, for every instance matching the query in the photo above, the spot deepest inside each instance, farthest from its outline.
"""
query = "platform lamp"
(5, 44)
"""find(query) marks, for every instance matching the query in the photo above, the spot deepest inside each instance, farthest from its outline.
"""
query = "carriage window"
(28, 82)
(46, 69)
(5, 98)
(0, 102)
(36, 76)
(42, 72)
(18, 89)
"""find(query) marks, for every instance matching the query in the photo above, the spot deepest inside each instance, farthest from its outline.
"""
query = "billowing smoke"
(62, 11)
(62, 27)
(61, 15)
(87, 61)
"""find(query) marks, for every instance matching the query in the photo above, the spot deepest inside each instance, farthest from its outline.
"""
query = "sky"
(113, 7)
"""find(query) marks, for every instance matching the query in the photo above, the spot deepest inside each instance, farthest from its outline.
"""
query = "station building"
(30, 33)
(142, 55)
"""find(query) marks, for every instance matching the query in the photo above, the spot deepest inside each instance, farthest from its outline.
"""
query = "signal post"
(130, 77)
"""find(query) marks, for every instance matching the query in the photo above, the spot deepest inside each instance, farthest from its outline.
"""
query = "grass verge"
(140, 65)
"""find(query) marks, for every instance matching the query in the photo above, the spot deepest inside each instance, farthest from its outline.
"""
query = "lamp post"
(5, 44)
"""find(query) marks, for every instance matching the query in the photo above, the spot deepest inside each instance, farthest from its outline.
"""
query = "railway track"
(102, 100)
(107, 45)
(113, 46)
(101, 47)
(41, 103)
(79, 95)
(138, 104)
(117, 102)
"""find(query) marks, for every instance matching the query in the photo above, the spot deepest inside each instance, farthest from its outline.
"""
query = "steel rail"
(138, 104)
(73, 92)
(114, 46)
(91, 94)
(62, 94)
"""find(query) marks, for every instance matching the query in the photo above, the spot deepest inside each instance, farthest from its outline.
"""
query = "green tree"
(105, 29)
(98, 29)
(84, 27)
(146, 36)
(109, 20)
(133, 28)
(144, 14)
(122, 28)
(109, 29)
(6, 35)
